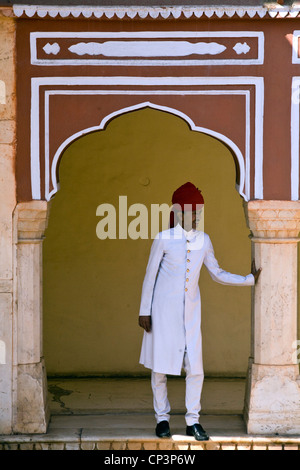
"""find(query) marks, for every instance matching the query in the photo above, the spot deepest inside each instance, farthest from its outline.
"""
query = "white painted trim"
(295, 54)
(146, 35)
(174, 111)
(47, 143)
(146, 48)
(295, 97)
(147, 81)
(247, 146)
(35, 142)
(142, 12)
(155, 81)
(259, 138)
(243, 165)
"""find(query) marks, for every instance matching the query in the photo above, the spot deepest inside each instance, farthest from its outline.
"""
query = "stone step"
(135, 431)
(116, 414)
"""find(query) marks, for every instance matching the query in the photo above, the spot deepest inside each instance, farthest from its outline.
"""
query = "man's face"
(190, 219)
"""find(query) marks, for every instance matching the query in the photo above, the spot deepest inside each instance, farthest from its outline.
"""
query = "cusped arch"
(235, 151)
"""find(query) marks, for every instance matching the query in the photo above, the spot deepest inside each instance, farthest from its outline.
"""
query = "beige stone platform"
(116, 414)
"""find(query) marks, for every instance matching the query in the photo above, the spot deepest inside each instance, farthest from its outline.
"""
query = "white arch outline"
(148, 104)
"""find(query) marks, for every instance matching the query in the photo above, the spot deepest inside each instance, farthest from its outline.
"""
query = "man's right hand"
(145, 322)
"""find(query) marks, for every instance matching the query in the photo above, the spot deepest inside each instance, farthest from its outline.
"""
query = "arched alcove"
(92, 287)
(238, 158)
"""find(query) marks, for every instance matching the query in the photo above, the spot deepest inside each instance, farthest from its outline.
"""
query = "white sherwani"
(171, 295)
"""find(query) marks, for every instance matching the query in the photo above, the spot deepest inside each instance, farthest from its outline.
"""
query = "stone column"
(30, 410)
(272, 401)
(7, 205)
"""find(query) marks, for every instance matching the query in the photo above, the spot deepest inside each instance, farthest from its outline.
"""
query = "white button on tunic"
(171, 295)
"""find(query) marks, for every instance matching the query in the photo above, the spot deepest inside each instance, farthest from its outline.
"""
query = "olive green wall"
(92, 287)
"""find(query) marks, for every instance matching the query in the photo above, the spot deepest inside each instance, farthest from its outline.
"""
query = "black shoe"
(197, 431)
(163, 429)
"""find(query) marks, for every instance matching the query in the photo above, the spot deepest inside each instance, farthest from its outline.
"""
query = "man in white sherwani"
(170, 309)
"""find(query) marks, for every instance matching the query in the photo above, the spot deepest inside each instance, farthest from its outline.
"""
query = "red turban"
(187, 195)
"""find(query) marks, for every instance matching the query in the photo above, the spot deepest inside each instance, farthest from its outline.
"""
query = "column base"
(272, 402)
(32, 413)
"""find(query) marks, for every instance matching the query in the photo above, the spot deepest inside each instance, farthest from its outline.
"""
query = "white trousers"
(194, 384)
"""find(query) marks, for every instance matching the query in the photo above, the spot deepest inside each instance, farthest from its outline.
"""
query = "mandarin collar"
(188, 234)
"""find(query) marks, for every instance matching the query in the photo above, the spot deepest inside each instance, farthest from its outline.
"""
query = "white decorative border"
(295, 135)
(146, 35)
(295, 55)
(142, 12)
(244, 165)
(258, 82)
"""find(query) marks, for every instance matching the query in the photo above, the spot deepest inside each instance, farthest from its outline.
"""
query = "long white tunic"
(171, 295)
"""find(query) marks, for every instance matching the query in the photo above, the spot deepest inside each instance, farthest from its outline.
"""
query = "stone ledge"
(23, 443)
(80, 439)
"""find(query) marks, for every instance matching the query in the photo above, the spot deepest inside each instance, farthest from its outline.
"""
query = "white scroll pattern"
(147, 48)
(184, 48)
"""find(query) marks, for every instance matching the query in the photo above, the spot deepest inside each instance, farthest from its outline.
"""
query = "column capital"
(32, 220)
(273, 219)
